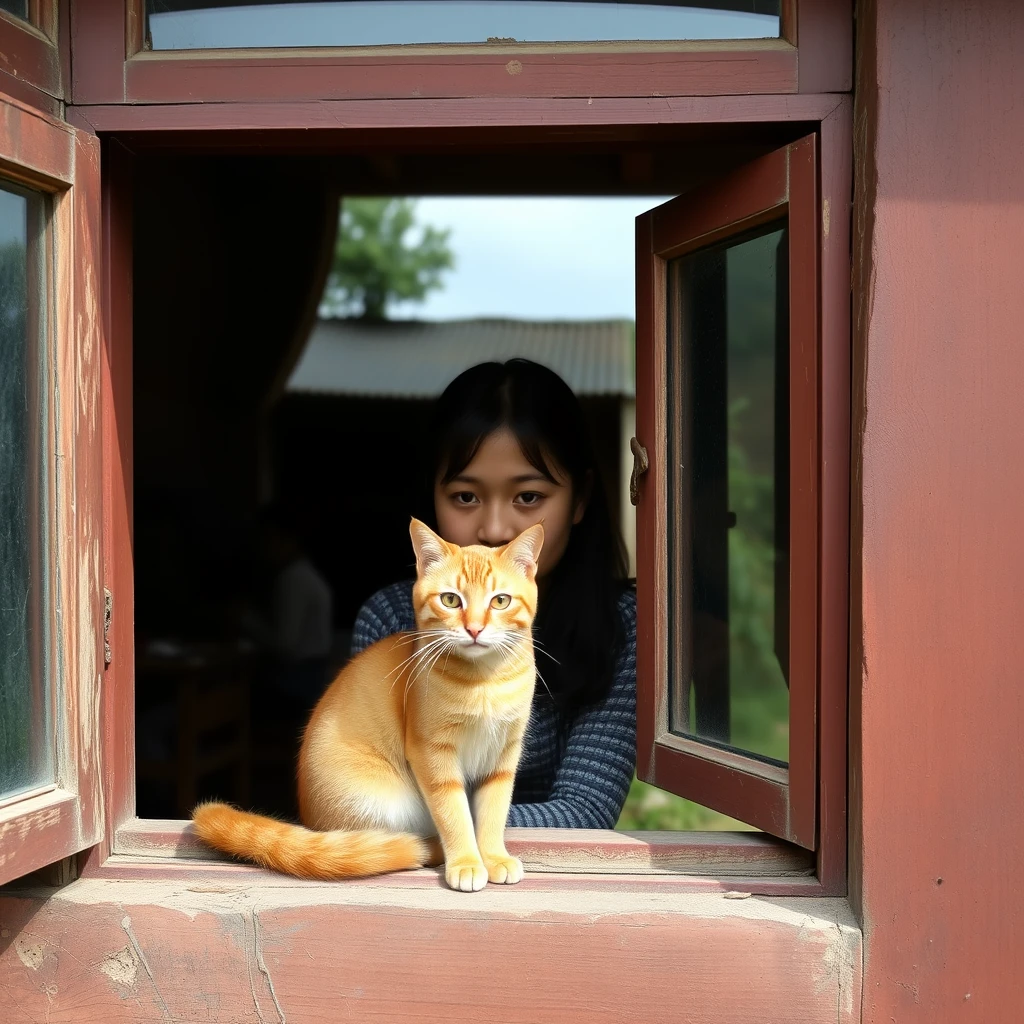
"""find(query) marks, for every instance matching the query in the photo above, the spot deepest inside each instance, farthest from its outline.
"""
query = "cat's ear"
(429, 548)
(524, 551)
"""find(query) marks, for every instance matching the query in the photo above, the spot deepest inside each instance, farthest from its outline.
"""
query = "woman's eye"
(501, 601)
(464, 498)
(529, 498)
(450, 600)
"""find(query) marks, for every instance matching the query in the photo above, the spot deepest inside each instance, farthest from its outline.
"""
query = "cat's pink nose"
(474, 631)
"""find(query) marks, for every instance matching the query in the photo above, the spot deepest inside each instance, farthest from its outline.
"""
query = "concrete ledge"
(101, 950)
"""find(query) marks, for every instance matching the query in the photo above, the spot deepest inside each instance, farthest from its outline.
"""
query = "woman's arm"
(389, 611)
(593, 778)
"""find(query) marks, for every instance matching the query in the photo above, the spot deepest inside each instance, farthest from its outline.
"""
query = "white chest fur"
(483, 739)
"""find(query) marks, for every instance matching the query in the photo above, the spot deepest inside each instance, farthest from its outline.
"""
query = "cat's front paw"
(465, 875)
(503, 868)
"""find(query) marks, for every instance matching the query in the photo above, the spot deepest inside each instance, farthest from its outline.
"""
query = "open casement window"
(51, 595)
(728, 510)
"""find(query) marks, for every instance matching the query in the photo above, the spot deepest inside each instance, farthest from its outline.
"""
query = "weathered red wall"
(940, 327)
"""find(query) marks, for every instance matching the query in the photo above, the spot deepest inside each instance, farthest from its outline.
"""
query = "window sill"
(36, 830)
(554, 858)
(390, 950)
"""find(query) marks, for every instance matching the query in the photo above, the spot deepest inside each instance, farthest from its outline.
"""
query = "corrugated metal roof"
(417, 359)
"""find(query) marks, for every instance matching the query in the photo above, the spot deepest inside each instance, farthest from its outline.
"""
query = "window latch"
(640, 466)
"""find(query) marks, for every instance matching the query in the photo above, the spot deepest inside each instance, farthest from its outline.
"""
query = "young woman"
(510, 449)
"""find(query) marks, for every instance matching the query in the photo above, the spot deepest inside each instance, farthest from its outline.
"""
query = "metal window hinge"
(108, 612)
(640, 466)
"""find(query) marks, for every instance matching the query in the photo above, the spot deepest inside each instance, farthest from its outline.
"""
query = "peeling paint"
(121, 967)
(18, 828)
(31, 954)
(842, 969)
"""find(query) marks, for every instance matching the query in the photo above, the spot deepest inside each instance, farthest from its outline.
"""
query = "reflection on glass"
(26, 731)
(198, 25)
(19, 8)
(729, 310)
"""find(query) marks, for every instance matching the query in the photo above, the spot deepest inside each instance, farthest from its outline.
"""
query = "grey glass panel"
(729, 315)
(193, 25)
(26, 726)
(19, 8)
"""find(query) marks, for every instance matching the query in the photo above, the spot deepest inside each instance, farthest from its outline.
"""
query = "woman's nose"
(496, 528)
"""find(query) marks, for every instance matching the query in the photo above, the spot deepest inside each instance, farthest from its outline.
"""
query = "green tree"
(383, 256)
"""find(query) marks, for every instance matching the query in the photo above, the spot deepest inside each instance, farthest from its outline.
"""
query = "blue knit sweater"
(574, 773)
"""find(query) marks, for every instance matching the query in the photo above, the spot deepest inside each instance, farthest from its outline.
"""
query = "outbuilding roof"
(417, 359)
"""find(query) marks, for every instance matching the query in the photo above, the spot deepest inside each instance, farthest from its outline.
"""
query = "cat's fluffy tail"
(298, 851)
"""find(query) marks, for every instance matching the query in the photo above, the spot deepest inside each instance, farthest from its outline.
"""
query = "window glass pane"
(729, 309)
(19, 8)
(193, 24)
(26, 726)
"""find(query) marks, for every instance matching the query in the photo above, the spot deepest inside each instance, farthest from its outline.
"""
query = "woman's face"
(499, 494)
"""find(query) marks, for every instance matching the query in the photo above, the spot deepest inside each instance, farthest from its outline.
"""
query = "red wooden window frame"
(813, 55)
(34, 56)
(238, 127)
(55, 159)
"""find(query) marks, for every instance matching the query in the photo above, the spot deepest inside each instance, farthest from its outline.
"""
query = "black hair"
(578, 622)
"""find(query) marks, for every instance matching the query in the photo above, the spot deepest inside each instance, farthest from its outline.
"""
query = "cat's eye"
(501, 601)
(450, 600)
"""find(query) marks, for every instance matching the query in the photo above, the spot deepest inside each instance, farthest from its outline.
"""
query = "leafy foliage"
(759, 704)
(383, 256)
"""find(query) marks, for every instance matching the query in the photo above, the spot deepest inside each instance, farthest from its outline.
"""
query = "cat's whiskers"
(418, 654)
(447, 646)
(503, 651)
(536, 645)
(509, 644)
(436, 649)
(431, 652)
(539, 648)
(418, 634)
(415, 654)
(446, 657)
(434, 660)
(544, 681)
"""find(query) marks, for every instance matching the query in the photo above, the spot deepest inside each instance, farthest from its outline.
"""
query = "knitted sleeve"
(389, 611)
(594, 775)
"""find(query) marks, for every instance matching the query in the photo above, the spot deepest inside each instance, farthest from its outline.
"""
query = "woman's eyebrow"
(523, 478)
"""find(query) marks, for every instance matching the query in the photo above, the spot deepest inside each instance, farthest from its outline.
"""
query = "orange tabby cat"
(415, 730)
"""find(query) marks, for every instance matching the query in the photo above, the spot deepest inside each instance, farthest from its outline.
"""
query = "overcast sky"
(12, 217)
(534, 258)
(380, 22)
